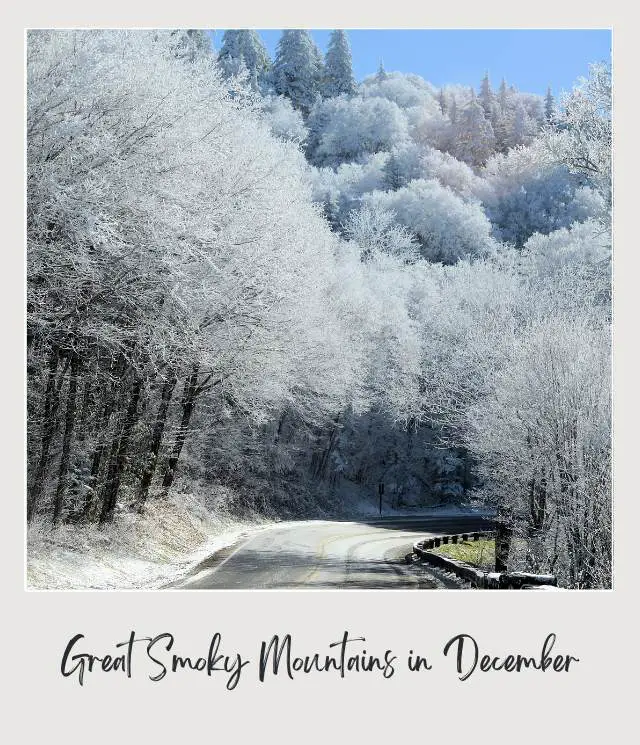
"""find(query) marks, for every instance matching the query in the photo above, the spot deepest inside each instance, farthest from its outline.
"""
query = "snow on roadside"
(135, 552)
(156, 549)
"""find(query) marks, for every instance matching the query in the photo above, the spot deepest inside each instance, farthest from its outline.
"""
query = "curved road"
(329, 555)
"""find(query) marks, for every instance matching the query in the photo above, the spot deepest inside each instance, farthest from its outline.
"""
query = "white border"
(590, 704)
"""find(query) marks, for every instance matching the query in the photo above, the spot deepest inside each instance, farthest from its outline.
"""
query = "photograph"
(323, 309)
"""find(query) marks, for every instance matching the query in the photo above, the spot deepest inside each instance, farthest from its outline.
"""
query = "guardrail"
(477, 577)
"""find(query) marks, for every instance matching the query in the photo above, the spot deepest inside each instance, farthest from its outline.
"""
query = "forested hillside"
(261, 287)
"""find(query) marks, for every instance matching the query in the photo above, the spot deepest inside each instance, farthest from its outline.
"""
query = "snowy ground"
(150, 551)
(136, 552)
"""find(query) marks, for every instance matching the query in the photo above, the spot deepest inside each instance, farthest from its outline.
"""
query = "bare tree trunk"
(333, 438)
(188, 403)
(537, 515)
(281, 421)
(117, 461)
(69, 422)
(156, 440)
(109, 396)
(467, 480)
(48, 428)
(87, 396)
(97, 455)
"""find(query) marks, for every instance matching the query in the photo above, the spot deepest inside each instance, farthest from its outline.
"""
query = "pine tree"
(487, 99)
(191, 43)
(474, 137)
(297, 69)
(523, 127)
(502, 96)
(442, 101)
(338, 72)
(244, 48)
(318, 61)
(317, 120)
(549, 107)
(453, 110)
(502, 132)
(382, 73)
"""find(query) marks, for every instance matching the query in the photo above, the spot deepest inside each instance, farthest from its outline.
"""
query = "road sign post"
(380, 493)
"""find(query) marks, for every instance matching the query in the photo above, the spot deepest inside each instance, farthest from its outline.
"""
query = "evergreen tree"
(382, 73)
(338, 72)
(474, 137)
(504, 117)
(523, 127)
(502, 96)
(442, 101)
(191, 43)
(487, 99)
(244, 48)
(549, 107)
(297, 69)
(453, 110)
(502, 132)
(317, 121)
(318, 61)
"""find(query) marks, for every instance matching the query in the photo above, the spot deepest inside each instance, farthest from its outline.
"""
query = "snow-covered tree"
(346, 128)
(452, 173)
(191, 44)
(583, 248)
(583, 138)
(474, 138)
(447, 227)
(503, 96)
(171, 240)
(375, 231)
(340, 191)
(534, 106)
(297, 69)
(244, 47)
(404, 89)
(403, 165)
(517, 117)
(549, 106)
(544, 439)
(525, 192)
(381, 74)
(521, 127)
(442, 101)
(453, 110)
(518, 371)
(338, 67)
(284, 121)
(486, 97)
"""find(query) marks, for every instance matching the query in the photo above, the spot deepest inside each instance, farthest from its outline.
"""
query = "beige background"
(592, 703)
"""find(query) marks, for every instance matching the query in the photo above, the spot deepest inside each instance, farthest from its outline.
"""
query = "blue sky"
(529, 59)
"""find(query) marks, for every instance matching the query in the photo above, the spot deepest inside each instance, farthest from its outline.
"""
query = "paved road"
(331, 555)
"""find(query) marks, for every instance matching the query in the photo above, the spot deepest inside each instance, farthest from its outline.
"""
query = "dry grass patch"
(481, 554)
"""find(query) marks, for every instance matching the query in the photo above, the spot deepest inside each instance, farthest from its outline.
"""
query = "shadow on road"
(432, 524)
(279, 569)
(323, 554)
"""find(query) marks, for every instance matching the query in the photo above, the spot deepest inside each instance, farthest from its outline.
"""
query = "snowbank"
(135, 552)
